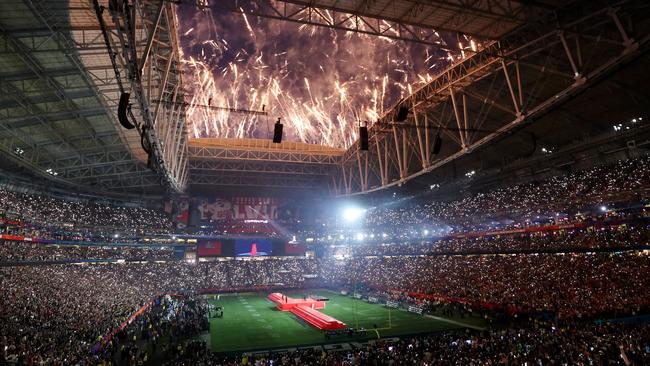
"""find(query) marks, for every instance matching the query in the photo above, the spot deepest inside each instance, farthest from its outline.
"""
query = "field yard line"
(454, 322)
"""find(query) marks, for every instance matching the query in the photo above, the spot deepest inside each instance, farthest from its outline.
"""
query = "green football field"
(251, 322)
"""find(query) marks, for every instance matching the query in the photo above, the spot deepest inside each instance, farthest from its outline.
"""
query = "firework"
(321, 82)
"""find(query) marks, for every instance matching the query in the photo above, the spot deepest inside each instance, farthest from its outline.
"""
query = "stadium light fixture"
(351, 214)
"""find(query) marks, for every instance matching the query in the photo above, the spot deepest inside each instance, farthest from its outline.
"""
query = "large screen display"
(253, 247)
(207, 248)
(294, 249)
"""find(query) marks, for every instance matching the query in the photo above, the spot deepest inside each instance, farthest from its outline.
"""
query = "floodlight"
(353, 213)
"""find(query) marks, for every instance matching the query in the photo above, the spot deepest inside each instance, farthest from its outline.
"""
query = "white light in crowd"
(116, 235)
(603, 208)
(384, 235)
(426, 232)
(329, 237)
(353, 213)
(51, 172)
(469, 174)
(359, 236)
(342, 237)
(174, 237)
(372, 236)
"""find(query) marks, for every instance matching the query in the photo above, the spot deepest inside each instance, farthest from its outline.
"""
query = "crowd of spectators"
(559, 199)
(49, 212)
(15, 251)
(601, 194)
(167, 322)
(233, 227)
(604, 344)
(570, 286)
(623, 237)
(625, 180)
(59, 312)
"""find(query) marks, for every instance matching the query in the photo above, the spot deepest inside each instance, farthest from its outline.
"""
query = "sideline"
(454, 322)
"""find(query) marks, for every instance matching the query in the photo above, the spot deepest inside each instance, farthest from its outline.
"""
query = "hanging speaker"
(363, 138)
(144, 143)
(437, 144)
(402, 113)
(277, 132)
(121, 111)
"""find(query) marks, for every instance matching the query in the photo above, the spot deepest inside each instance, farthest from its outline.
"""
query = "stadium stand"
(454, 183)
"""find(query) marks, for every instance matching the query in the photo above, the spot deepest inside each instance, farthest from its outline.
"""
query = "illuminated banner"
(294, 249)
(253, 247)
(208, 248)
(239, 208)
(183, 212)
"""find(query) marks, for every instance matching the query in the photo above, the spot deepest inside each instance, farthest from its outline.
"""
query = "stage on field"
(253, 322)
(307, 310)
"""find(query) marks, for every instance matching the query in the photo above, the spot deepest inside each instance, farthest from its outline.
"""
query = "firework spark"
(321, 82)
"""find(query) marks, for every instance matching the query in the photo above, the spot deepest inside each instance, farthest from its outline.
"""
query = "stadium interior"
(292, 182)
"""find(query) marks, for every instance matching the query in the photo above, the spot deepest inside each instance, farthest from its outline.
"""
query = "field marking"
(252, 309)
(445, 320)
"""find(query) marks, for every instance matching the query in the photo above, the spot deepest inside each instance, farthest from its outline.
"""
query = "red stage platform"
(306, 310)
(286, 303)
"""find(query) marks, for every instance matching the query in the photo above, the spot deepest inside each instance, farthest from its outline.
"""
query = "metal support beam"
(486, 78)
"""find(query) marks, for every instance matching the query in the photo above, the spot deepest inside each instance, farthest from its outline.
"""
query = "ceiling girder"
(441, 109)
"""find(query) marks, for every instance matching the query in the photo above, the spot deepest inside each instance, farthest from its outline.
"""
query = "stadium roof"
(60, 90)
(490, 19)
